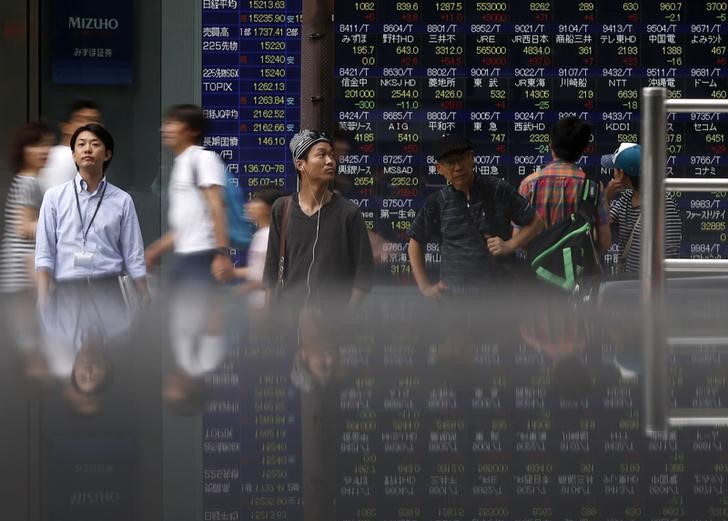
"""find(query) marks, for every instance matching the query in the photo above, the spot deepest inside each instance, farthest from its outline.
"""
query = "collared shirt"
(460, 226)
(114, 239)
(554, 191)
(189, 214)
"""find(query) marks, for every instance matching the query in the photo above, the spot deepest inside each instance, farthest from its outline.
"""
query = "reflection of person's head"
(183, 393)
(317, 357)
(91, 372)
(80, 403)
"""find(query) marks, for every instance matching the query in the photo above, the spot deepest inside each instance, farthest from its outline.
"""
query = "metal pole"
(696, 105)
(685, 184)
(652, 275)
(317, 30)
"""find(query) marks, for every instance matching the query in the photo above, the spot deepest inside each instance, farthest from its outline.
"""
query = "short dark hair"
(189, 114)
(101, 133)
(268, 195)
(569, 138)
(78, 105)
(25, 135)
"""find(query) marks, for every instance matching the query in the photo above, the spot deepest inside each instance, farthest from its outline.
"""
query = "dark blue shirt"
(460, 225)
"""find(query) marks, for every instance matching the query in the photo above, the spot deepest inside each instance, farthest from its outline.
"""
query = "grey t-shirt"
(343, 255)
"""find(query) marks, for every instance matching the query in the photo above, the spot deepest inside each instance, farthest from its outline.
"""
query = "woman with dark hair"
(28, 154)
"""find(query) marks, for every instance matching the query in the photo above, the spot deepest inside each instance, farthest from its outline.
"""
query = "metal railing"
(655, 106)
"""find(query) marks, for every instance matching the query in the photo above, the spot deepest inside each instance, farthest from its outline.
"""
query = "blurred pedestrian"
(61, 167)
(198, 226)
(258, 210)
(29, 150)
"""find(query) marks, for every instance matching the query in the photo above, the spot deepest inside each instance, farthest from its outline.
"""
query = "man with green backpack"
(572, 208)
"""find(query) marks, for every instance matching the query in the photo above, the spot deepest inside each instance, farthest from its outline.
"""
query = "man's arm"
(604, 238)
(44, 279)
(155, 250)
(604, 230)
(45, 249)
(417, 262)
(499, 247)
(363, 259)
(222, 265)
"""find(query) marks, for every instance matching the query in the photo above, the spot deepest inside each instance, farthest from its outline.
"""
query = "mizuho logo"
(99, 24)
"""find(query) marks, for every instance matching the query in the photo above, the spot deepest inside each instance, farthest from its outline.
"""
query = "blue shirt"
(114, 239)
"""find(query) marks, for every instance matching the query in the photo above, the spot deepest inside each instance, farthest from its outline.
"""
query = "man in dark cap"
(324, 258)
(471, 219)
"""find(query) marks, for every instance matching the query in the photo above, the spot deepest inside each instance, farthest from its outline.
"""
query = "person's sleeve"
(362, 253)
(673, 229)
(27, 196)
(45, 236)
(525, 189)
(603, 212)
(131, 243)
(210, 169)
(521, 211)
(426, 224)
(270, 272)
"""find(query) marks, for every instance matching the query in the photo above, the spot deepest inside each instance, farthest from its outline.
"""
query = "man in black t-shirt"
(327, 256)
(471, 220)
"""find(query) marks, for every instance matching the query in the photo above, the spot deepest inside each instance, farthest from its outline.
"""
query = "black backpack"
(564, 255)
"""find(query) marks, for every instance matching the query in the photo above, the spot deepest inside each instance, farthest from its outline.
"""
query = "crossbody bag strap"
(628, 246)
(282, 240)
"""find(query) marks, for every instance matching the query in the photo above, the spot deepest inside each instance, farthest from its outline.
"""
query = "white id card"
(83, 259)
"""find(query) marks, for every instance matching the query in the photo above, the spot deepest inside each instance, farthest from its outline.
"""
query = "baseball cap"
(627, 157)
(304, 140)
(449, 144)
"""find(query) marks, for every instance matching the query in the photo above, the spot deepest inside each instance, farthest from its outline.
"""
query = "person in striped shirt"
(623, 194)
(28, 153)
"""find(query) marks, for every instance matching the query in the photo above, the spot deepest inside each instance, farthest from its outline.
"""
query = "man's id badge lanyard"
(83, 258)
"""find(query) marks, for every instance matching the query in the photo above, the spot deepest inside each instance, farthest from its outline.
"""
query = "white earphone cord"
(315, 241)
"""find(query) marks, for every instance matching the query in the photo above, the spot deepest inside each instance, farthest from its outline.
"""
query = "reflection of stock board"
(467, 417)
(476, 432)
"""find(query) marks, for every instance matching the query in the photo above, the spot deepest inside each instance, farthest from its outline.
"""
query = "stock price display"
(250, 97)
(251, 83)
(502, 73)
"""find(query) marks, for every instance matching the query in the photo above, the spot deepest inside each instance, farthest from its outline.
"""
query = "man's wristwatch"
(222, 250)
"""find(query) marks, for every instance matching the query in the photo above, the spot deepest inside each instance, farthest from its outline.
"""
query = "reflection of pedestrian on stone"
(80, 324)
(199, 345)
(316, 362)
(562, 335)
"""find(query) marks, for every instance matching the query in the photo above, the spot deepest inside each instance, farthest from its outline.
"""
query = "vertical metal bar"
(316, 39)
(652, 202)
